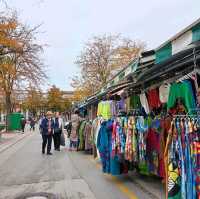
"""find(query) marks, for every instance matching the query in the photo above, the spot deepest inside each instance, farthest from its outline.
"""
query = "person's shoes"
(43, 152)
(58, 149)
(49, 153)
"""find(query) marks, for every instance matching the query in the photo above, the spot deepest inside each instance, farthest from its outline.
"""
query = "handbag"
(57, 130)
(62, 139)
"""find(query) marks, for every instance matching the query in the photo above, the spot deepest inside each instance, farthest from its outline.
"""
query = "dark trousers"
(47, 140)
(56, 138)
(32, 128)
(23, 127)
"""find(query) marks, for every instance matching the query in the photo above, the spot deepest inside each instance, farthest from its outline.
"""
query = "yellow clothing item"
(105, 110)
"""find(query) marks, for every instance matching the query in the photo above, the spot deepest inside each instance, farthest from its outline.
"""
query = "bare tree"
(102, 56)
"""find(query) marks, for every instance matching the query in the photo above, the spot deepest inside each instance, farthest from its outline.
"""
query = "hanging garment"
(164, 93)
(184, 91)
(174, 178)
(142, 130)
(153, 99)
(106, 109)
(88, 136)
(152, 151)
(183, 179)
(114, 161)
(121, 106)
(130, 147)
(135, 102)
(127, 102)
(81, 136)
(196, 164)
(75, 125)
(103, 147)
(144, 103)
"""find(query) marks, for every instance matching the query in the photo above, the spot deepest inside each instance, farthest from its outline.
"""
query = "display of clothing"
(144, 103)
(88, 136)
(81, 143)
(106, 109)
(153, 99)
(151, 136)
(135, 102)
(127, 102)
(184, 92)
(164, 93)
(121, 106)
(182, 158)
(75, 123)
(131, 142)
(109, 165)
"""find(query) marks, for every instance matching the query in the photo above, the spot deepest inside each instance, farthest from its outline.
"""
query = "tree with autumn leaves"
(20, 62)
(56, 100)
(34, 101)
(101, 58)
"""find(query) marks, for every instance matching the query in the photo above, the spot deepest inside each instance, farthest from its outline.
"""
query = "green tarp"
(164, 53)
(196, 33)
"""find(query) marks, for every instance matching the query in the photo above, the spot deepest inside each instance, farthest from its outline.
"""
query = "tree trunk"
(8, 107)
(8, 103)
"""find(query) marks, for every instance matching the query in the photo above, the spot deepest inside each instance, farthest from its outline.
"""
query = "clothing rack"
(134, 112)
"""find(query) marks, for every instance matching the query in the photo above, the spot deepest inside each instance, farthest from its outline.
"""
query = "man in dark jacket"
(58, 130)
(47, 126)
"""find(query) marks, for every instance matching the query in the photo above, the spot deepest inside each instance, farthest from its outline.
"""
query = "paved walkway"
(7, 140)
(69, 175)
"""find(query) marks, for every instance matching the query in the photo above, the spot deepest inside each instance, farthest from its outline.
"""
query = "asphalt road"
(68, 175)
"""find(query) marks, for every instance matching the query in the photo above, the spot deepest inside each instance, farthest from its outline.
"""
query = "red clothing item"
(153, 99)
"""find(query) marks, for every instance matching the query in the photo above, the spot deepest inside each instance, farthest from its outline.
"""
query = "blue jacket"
(44, 126)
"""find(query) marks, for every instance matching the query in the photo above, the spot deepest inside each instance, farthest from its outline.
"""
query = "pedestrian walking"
(58, 130)
(23, 124)
(40, 123)
(32, 124)
(74, 134)
(47, 127)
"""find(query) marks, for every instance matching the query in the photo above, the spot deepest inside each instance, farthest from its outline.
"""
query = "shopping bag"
(62, 139)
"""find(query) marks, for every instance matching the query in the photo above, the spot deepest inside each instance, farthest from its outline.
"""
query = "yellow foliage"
(8, 26)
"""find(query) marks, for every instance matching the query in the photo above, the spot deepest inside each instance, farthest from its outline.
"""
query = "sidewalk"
(151, 185)
(10, 138)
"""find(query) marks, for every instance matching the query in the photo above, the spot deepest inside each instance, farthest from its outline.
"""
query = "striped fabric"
(178, 44)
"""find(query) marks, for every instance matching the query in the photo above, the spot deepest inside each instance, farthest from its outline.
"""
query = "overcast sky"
(68, 24)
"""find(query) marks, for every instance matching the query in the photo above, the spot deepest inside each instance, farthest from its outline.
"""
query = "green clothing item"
(143, 167)
(135, 102)
(183, 91)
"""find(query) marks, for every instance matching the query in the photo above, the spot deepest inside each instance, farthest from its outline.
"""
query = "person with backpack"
(47, 128)
(58, 130)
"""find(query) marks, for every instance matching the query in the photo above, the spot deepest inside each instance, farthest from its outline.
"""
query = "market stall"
(151, 124)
